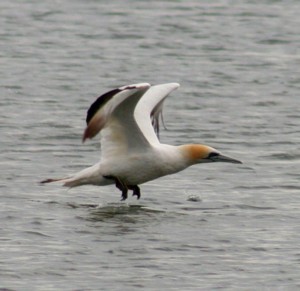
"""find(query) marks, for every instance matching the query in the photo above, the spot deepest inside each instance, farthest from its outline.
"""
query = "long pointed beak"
(221, 158)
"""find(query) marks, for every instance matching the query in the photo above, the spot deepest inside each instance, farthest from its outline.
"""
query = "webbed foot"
(120, 185)
(136, 191)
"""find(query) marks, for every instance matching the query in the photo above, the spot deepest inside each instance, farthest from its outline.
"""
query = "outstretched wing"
(125, 117)
(149, 110)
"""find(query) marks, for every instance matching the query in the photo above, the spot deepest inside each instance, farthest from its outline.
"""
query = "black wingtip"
(100, 101)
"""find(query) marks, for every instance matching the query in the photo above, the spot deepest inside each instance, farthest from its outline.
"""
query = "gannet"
(131, 153)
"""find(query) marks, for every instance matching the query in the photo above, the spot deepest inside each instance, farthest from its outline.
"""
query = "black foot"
(120, 185)
(136, 191)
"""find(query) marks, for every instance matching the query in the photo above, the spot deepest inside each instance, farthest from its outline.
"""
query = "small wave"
(252, 207)
(37, 233)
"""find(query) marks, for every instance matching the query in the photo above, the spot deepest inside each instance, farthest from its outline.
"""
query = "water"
(217, 226)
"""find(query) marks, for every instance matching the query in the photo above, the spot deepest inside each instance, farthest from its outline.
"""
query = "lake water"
(211, 227)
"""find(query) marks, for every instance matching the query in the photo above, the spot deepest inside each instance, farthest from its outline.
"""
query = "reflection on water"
(124, 213)
(117, 211)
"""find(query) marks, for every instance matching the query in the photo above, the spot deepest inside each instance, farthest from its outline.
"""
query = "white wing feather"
(149, 109)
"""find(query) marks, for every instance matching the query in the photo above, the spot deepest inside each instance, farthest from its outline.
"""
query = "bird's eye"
(213, 155)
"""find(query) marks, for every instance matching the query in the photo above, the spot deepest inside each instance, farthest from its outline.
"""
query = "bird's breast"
(138, 168)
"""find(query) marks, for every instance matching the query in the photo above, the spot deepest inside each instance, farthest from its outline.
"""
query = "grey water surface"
(211, 227)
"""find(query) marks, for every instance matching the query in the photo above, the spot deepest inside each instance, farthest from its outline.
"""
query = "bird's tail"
(67, 181)
(89, 175)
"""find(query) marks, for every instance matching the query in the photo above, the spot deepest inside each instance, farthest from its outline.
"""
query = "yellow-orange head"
(198, 153)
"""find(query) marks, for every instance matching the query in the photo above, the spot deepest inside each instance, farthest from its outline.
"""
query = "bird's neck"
(174, 158)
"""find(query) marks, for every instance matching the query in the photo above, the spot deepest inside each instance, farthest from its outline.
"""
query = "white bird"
(131, 154)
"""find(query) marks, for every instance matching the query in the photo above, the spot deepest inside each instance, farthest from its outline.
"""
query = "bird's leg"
(120, 185)
(136, 191)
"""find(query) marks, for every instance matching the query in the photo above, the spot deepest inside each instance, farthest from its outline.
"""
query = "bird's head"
(197, 153)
